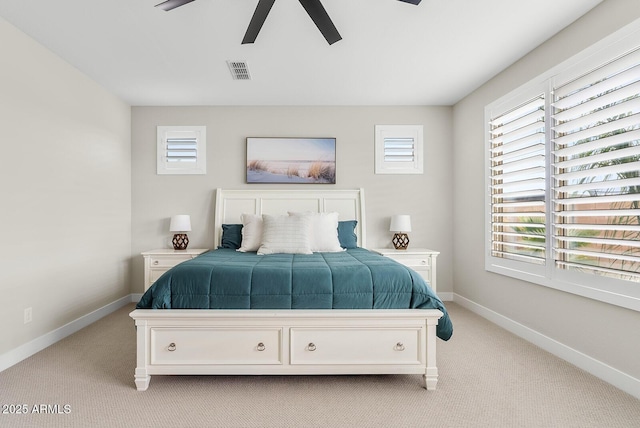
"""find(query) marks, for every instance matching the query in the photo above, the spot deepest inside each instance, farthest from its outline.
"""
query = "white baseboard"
(20, 353)
(609, 374)
(446, 296)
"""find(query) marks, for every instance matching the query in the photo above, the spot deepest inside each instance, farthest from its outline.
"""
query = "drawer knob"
(171, 347)
(261, 347)
(399, 346)
(155, 262)
(424, 262)
(311, 347)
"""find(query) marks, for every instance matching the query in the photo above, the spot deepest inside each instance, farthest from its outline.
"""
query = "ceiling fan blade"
(259, 16)
(411, 1)
(172, 4)
(321, 18)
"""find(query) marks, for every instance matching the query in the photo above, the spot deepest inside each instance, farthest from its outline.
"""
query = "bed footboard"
(295, 342)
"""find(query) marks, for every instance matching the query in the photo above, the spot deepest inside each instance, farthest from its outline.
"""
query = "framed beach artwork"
(291, 160)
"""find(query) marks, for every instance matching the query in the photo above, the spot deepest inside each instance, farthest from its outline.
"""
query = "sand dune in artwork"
(261, 171)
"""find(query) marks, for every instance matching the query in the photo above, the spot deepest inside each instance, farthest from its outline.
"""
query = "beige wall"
(426, 197)
(599, 330)
(65, 192)
(81, 199)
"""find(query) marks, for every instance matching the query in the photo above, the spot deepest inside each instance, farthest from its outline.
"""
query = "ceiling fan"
(313, 7)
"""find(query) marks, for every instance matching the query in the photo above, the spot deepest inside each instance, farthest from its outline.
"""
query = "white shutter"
(181, 150)
(517, 183)
(399, 149)
(596, 180)
(578, 171)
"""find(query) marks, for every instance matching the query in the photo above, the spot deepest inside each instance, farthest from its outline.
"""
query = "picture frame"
(291, 160)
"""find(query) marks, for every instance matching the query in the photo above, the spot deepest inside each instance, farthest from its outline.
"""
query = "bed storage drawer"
(216, 346)
(364, 345)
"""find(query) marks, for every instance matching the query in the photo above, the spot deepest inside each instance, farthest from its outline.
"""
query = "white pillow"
(285, 234)
(251, 232)
(324, 231)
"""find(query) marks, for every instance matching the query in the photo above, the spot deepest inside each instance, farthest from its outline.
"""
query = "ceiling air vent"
(239, 70)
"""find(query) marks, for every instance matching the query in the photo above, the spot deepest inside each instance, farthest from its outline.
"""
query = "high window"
(399, 149)
(182, 150)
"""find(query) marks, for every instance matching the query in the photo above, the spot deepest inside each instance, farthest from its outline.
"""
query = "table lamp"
(400, 224)
(180, 223)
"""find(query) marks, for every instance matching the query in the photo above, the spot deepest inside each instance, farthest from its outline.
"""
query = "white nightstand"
(157, 262)
(421, 260)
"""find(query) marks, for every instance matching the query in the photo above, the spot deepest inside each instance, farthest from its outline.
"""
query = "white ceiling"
(392, 53)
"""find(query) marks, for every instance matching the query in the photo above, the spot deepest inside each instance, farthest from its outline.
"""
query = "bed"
(230, 312)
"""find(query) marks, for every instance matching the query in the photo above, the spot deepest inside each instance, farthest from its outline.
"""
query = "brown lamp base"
(400, 241)
(180, 241)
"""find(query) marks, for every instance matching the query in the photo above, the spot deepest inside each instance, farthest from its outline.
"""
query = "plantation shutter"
(596, 183)
(181, 150)
(517, 183)
(399, 149)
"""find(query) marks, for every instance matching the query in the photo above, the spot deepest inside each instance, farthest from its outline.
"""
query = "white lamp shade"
(400, 223)
(180, 223)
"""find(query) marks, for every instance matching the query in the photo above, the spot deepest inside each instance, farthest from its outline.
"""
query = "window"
(399, 149)
(182, 150)
(518, 207)
(564, 178)
(596, 163)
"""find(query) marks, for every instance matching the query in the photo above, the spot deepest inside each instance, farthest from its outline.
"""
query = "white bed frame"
(280, 342)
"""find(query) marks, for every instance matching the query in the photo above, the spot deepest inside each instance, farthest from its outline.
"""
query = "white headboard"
(231, 204)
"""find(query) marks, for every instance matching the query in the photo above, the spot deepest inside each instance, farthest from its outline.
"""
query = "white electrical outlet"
(28, 315)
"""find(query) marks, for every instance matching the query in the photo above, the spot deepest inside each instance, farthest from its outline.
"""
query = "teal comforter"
(353, 279)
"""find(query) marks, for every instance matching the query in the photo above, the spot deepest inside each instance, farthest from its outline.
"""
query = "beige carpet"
(488, 378)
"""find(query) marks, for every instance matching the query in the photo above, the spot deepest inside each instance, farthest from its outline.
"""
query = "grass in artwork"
(257, 165)
(323, 171)
(293, 171)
